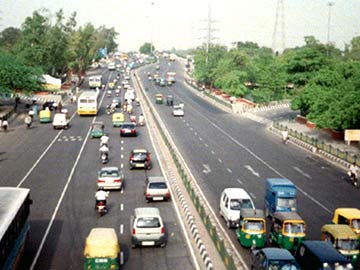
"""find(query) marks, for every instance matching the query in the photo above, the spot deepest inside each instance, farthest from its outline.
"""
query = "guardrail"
(203, 213)
(320, 146)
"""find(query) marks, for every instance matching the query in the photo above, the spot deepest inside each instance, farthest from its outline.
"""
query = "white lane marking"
(122, 148)
(122, 191)
(184, 120)
(191, 128)
(239, 181)
(252, 170)
(187, 124)
(121, 229)
(121, 156)
(59, 140)
(121, 258)
(268, 165)
(59, 203)
(302, 172)
(206, 169)
(121, 207)
(206, 145)
(122, 142)
(220, 160)
(229, 170)
(212, 152)
(195, 133)
(122, 165)
(252, 195)
(200, 138)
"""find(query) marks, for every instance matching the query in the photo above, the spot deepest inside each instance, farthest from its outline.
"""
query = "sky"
(181, 24)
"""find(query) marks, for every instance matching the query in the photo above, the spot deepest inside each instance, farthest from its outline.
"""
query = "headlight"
(326, 266)
(349, 266)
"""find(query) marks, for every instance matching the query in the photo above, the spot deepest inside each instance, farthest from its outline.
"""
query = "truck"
(280, 196)
(170, 78)
(172, 57)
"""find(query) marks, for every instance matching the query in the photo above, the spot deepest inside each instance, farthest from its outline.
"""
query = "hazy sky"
(179, 24)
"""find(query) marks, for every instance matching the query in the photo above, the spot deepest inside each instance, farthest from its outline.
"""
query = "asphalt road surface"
(224, 150)
(60, 168)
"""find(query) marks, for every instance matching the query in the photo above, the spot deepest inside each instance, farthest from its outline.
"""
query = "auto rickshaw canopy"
(339, 231)
(348, 213)
(102, 243)
(252, 220)
(291, 223)
(118, 117)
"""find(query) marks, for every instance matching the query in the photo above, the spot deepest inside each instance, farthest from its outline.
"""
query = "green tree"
(105, 38)
(8, 38)
(147, 48)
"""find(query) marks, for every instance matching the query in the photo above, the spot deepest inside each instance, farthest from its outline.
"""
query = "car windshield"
(159, 185)
(347, 244)
(282, 265)
(254, 225)
(139, 156)
(355, 223)
(294, 228)
(286, 202)
(148, 222)
(113, 173)
(128, 126)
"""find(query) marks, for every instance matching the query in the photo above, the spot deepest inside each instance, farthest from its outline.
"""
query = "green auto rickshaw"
(45, 116)
(287, 230)
(159, 99)
(343, 238)
(102, 249)
(97, 130)
(252, 228)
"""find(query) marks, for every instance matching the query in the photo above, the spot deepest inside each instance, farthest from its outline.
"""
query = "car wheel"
(228, 224)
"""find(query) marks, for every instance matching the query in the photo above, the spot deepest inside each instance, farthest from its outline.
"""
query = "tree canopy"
(147, 48)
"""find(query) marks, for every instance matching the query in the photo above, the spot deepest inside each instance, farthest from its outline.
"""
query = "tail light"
(101, 181)
(163, 230)
(117, 181)
(133, 231)
(167, 194)
(147, 195)
(131, 158)
(148, 158)
(133, 131)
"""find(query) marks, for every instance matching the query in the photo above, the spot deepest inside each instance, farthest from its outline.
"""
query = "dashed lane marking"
(229, 170)
(239, 181)
(212, 152)
(121, 207)
(252, 195)
(121, 229)
(206, 145)
(219, 160)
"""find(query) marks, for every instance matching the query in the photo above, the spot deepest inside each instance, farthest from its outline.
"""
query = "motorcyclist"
(141, 119)
(101, 196)
(354, 171)
(137, 100)
(104, 150)
(129, 108)
(113, 107)
(104, 140)
(133, 119)
(285, 135)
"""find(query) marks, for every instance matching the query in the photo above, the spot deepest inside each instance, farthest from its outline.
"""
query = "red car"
(128, 129)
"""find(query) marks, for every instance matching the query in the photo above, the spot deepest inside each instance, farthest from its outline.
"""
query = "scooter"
(28, 121)
(104, 158)
(101, 208)
(352, 179)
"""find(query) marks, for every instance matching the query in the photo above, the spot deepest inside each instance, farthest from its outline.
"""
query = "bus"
(88, 103)
(95, 81)
(14, 225)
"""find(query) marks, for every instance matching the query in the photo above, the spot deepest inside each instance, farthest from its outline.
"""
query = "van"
(231, 202)
(156, 189)
(147, 228)
(60, 121)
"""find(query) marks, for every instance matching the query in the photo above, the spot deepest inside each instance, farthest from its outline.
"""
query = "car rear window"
(139, 156)
(129, 126)
(148, 222)
(109, 173)
(159, 185)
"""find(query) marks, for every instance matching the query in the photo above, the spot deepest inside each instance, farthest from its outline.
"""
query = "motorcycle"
(28, 121)
(104, 158)
(352, 179)
(141, 121)
(101, 208)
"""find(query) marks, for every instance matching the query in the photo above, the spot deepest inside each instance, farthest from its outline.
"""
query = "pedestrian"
(17, 101)
(5, 124)
(60, 107)
(71, 98)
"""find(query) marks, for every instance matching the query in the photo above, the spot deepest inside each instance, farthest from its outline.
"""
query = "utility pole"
(329, 4)
(209, 33)
(279, 28)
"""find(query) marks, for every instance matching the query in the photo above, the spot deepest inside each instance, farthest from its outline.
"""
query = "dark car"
(273, 258)
(157, 81)
(48, 104)
(128, 129)
(140, 158)
(162, 82)
(320, 255)
(117, 102)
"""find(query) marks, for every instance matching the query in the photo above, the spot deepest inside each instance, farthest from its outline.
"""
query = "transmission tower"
(278, 38)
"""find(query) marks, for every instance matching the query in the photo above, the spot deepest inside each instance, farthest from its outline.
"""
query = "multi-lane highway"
(224, 150)
(60, 168)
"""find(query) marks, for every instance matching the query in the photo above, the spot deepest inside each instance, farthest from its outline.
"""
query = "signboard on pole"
(352, 135)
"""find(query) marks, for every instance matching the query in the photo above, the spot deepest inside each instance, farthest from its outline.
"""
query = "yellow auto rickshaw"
(159, 99)
(45, 116)
(111, 85)
(118, 119)
(348, 216)
(102, 249)
(343, 238)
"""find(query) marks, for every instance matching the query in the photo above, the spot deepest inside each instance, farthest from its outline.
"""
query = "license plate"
(158, 198)
(139, 165)
(148, 243)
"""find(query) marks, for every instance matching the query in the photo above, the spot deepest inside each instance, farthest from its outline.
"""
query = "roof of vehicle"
(278, 254)
(147, 211)
(236, 193)
(11, 199)
(102, 242)
(109, 168)
(252, 213)
(349, 213)
(279, 181)
(156, 179)
(341, 231)
(283, 216)
(135, 151)
(97, 123)
(324, 251)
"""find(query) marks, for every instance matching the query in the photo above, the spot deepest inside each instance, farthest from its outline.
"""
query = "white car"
(232, 200)
(124, 82)
(110, 178)
(111, 66)
(178, 110)
(60, 121)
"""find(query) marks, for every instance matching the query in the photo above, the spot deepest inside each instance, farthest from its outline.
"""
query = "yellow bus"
(88, 103)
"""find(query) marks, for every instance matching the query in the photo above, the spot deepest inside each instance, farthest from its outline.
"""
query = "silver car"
(147, 228)
(110, 178)
(156, 189)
